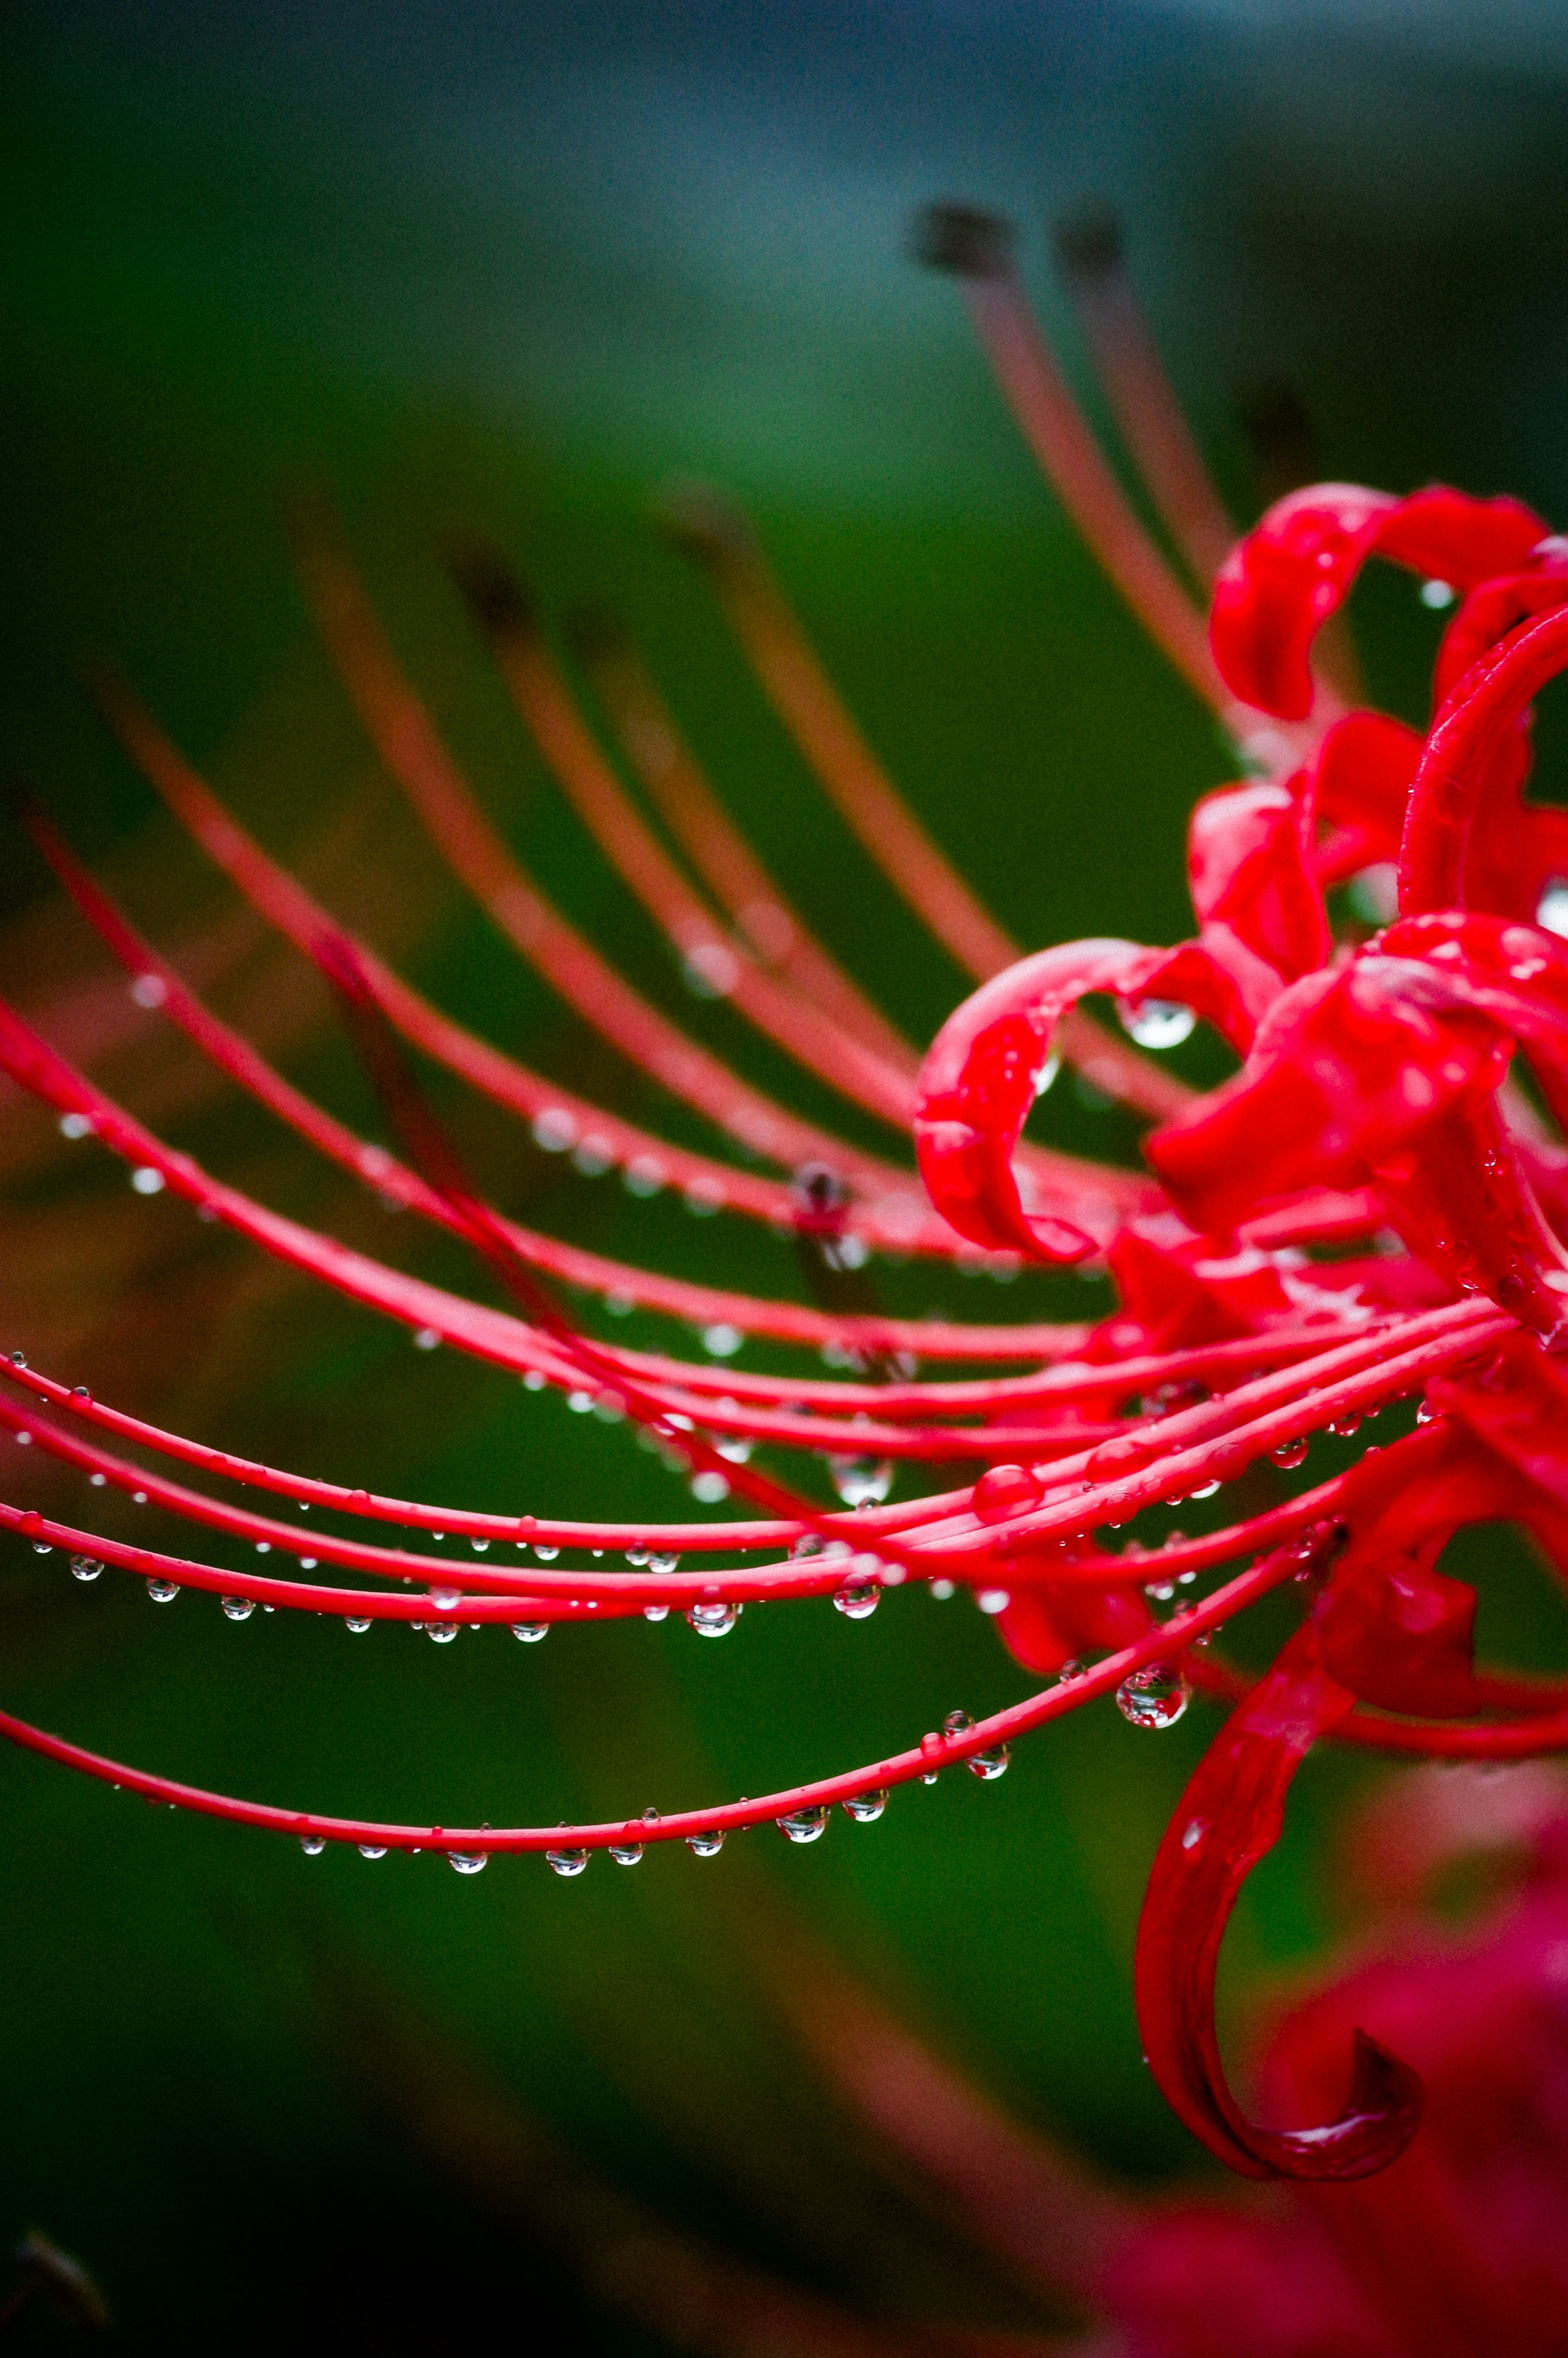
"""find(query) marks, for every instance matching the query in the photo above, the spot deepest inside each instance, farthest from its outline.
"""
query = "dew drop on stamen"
(867, 1808)
(861, 1481)
(85, 1567)
(626, 1854)
(714, 1620)
(992, 1763)
(372, 1850)
(1155, 1696)
(1006, 1490)
(1290, 1455)
(707, 1845)
(942, 1589)
(441, 1633)
(804, 1825)
(238, 1609)
(528, 1633)
(312, 1844)
(468, 1862)
(858, 1600)
(356, 1622)
(147, 1180)
(163, 1591)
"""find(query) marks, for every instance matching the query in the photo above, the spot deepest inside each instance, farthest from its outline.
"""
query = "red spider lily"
(1363, 1215)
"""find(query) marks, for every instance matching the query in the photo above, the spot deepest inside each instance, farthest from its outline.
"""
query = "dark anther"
(963, 239)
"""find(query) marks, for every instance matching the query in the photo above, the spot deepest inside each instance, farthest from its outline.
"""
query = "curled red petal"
(1357, 789)
(1230, 1817)
(978, 1081)
(1458, 764)
(1280, 584)
(1251, 884)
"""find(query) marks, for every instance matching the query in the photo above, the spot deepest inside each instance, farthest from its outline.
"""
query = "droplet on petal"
(990, 1763)
(1290, 1455)
(861, 1481)
(1156, 1023)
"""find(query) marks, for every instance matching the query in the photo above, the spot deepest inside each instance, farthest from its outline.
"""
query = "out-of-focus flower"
(1362, 1216)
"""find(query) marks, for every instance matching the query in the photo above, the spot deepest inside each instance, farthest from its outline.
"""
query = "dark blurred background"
(515, 268)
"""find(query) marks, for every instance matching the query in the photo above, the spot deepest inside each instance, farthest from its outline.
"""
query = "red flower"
(1363, 1215)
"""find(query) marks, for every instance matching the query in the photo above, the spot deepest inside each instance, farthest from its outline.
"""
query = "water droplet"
(468, 1862)
(1290, 1455)
(804, 1826)
(957, 1723)
(149, 990)
(1155, 1696)
(861, 1481)
(1204, 1490)
(1551, 909)
(372, 1850)
(85, 1567)
(555, 1129)
(441, 1633)
(163, 1591)
(312, 1844)
(707, 1845)
(859, 1599)
(867, 1808)
(80, 1392)
(663, 1563)
(993, 1600)
(1426, 1414)
(655, 1612)
(721, 1341)
(1193, 1832)
(942, 1589)
(1006, 1490)
(626, 1854)
(357, 1623)
(1158, 1592)
(650, 1816)
(76, 1125)
(238, 1609)
(1047, 1073)
(709, 1487)
(446, 1600)
(1437, 595)
(147, 1180)
(1345, 1425)
(714, 1620)
(480, 1547)
(529, 1633)
(992, 1763)
(1156, 1023)
(1069, 1671)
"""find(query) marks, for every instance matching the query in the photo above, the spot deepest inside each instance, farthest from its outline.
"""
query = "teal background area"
(515, 269)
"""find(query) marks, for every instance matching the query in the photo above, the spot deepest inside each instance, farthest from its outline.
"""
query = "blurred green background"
(515, 268)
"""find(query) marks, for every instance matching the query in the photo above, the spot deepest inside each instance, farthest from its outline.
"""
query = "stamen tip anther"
(967, 239)
(1088, 243)
(500, 603)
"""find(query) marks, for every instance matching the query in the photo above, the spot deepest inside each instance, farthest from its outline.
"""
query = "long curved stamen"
(665, 767)
(1150, 419)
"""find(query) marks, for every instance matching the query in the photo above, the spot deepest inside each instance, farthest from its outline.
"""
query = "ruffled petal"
(1230, 1817)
